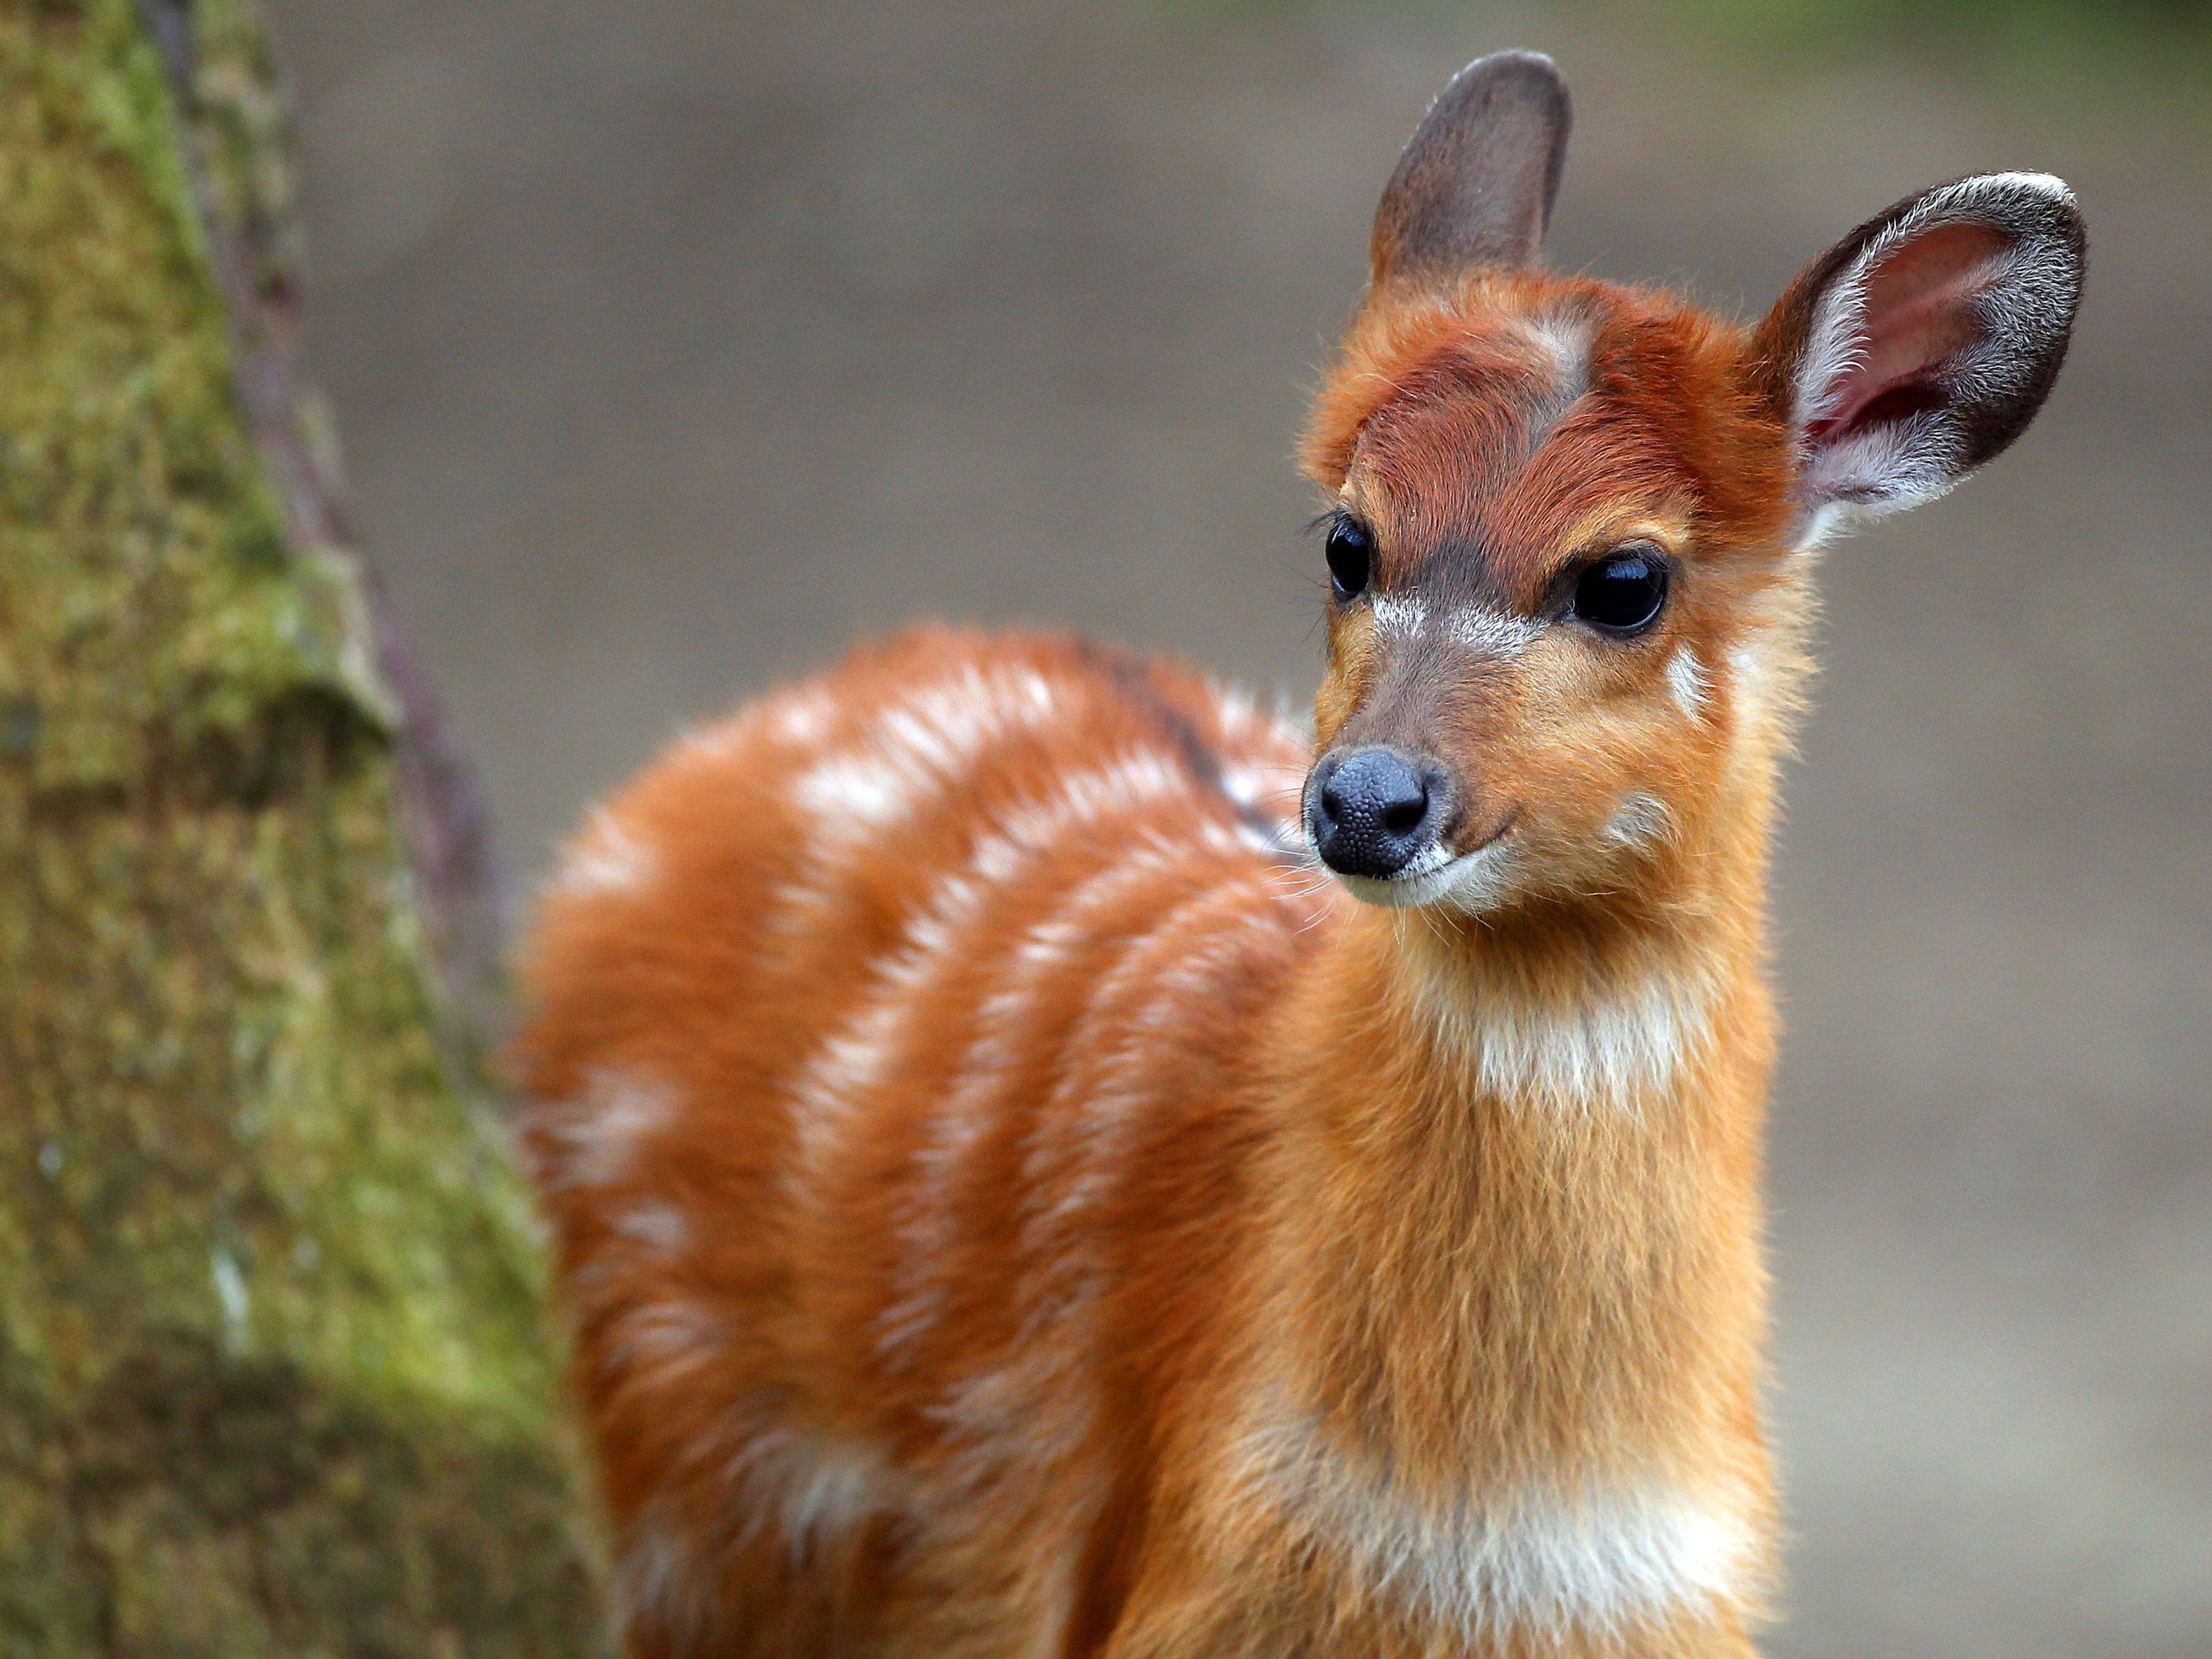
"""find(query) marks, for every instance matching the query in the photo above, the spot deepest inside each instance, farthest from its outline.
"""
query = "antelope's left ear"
(1926, 340)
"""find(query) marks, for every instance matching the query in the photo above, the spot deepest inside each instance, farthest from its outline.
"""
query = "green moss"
(241, 1506)
(274, 1376)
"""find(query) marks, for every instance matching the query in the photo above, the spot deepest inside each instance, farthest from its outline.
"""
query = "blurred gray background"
(674, 343)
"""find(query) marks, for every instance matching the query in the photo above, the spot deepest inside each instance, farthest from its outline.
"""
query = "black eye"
(1624, 592)
(1351, 559)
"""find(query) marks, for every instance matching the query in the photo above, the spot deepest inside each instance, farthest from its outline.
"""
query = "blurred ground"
(673, 343)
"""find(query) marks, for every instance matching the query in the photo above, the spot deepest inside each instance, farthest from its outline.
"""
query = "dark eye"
(1351, 557)
(1624, 592)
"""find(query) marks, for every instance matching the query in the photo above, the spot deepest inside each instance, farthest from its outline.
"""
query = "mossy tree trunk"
(274, 1377)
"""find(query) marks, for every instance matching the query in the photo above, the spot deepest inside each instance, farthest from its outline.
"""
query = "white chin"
(1471, 882)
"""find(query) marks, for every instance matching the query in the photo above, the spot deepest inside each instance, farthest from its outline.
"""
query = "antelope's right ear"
(1476, 183)
(1924, 341)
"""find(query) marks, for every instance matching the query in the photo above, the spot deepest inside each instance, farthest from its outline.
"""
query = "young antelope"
(1047, 1163)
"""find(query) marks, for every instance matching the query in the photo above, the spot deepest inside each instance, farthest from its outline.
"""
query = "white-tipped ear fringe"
(2023, 305)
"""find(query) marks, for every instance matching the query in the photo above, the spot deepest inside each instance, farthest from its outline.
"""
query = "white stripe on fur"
(596, 1134)
(606, 857)
(1605, 1559)
(1612, 1048)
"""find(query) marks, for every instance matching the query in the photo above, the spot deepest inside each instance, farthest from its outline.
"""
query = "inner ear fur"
(1477, 180)
(1922, 343)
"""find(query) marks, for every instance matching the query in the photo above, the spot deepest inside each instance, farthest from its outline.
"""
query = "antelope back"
(888, 1051)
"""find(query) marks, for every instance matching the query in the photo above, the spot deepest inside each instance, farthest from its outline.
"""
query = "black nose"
(1372, 812)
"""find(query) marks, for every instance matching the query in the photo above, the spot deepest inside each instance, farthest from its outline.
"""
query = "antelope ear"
(1924, 341)
(1475, 185)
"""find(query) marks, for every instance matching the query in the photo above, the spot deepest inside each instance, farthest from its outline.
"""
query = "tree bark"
(275, 1374)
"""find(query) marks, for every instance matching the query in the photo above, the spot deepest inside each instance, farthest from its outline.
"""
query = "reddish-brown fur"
(1009, 1206)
